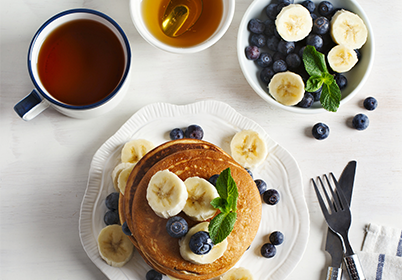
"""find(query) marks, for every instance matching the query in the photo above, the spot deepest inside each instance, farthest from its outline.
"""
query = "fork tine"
(330, 204)
(320, 200)
(341, 196)
(335, 197)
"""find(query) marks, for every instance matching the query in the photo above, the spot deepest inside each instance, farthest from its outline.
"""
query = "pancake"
(162, 251)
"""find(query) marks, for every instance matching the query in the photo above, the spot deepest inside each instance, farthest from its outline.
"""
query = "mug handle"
(31, 106)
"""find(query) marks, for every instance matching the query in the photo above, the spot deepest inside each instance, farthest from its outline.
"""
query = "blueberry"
(321, 25)
(250, 173)
(271, 11)
(200, 243)
(286, 2)
(259, 40)
(276, 238)
(264, 60)
(153, 275)
(301, 51)
(266, 75)
(271, 197)
(307, 100)
(252, 52)
(213, 179)
(177, 227)
(317, 94)
(359, 54)
(325, 8)
(176, 133)
(313, 16)
(279, 66)
(270, 27)
(261, 185)
(293, 61)
(309, 5)
(320, 131)
(278, 56)
(268, 250)
(370, 103)
(111, 217)
(112, 201)
(125, 229)
(256, 26)
(285, 47)
(341, 81)
(194, 131)
(360, 122)
(315, 40)
(280, 7)
(272, 43)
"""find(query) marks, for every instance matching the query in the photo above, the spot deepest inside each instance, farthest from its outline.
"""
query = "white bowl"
(138, 20)
(356, 77)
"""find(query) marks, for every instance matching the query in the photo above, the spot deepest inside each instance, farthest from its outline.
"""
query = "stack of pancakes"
(186, 158)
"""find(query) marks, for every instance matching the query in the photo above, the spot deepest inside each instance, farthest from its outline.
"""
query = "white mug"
(40, 99)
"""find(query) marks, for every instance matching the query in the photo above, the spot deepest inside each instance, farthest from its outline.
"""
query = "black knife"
(334, 245)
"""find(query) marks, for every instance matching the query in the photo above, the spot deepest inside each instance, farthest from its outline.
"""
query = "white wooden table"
(45, 162)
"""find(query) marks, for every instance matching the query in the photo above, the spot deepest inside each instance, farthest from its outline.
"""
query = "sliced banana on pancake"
(348, 29)
(294, 23)
(135, 149)
(116, 172)
(342, 58)
(114, 246)
(186, 253)
(238, 273)
(123, 177)
(200, 194)
(248, 148)
(166, 194)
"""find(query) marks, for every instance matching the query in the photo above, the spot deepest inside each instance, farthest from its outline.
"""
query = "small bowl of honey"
(182, 26)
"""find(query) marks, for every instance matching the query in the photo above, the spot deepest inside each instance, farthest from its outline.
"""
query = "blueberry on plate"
(280, 7)
(252, 52)
(125, 229)
(301, 51)
(317, 94)
(264, 60)
(321, 25)
(360, 122)
(266, 75)
(272, 43)
(176, 133)
(271, 11)
(279, 66)
(201, 243)
(286, 2)
(320, 131)
(278, 56)
(111, 218)
(270, 27)
(250, 173)
(313, 16)
(256, 26)
(194, 131)
(153, 275)
(315, 40)
(293, 60)
(370, 103)
(325, 8)
(177, 227)
(307, 100)
(276, 238)
(271, 197)
(213, 179)
(112, 201)
(341, 81)
(285, 47)
(268, 250)
(259, 40)
(261, 185)
(309, 5)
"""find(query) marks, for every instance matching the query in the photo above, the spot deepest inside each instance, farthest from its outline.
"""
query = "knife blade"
(333, 244)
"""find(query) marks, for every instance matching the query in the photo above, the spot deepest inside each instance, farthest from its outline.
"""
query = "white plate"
(220, 122)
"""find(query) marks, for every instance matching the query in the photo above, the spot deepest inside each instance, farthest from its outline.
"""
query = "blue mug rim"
(110, 95)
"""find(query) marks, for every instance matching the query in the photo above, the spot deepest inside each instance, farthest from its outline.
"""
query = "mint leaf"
(330, 97)
(314, 61)
(221, 226)
(314, 83)
(220, 203)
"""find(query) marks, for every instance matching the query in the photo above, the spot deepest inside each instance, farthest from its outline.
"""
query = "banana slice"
(342, 58)
(287, 88)
(186, 253)
(116, 172)
(238, 273)
(114, 246)
(200, 194)
(135, 149)
(166, 194)
(348, 29)
(294, 23)
(123, 177)
(248, 148)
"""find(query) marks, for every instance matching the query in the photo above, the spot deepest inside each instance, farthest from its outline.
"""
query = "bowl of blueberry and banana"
(305, 56)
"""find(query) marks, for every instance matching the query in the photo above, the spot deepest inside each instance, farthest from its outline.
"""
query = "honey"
(205, 27)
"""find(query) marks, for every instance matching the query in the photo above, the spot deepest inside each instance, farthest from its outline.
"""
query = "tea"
(81, 62)
(206, 25)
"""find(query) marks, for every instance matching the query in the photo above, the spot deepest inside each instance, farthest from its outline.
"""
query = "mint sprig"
(315, 65)
(222, 224)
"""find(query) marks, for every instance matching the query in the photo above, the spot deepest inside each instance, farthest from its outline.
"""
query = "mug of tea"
(79, 62)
